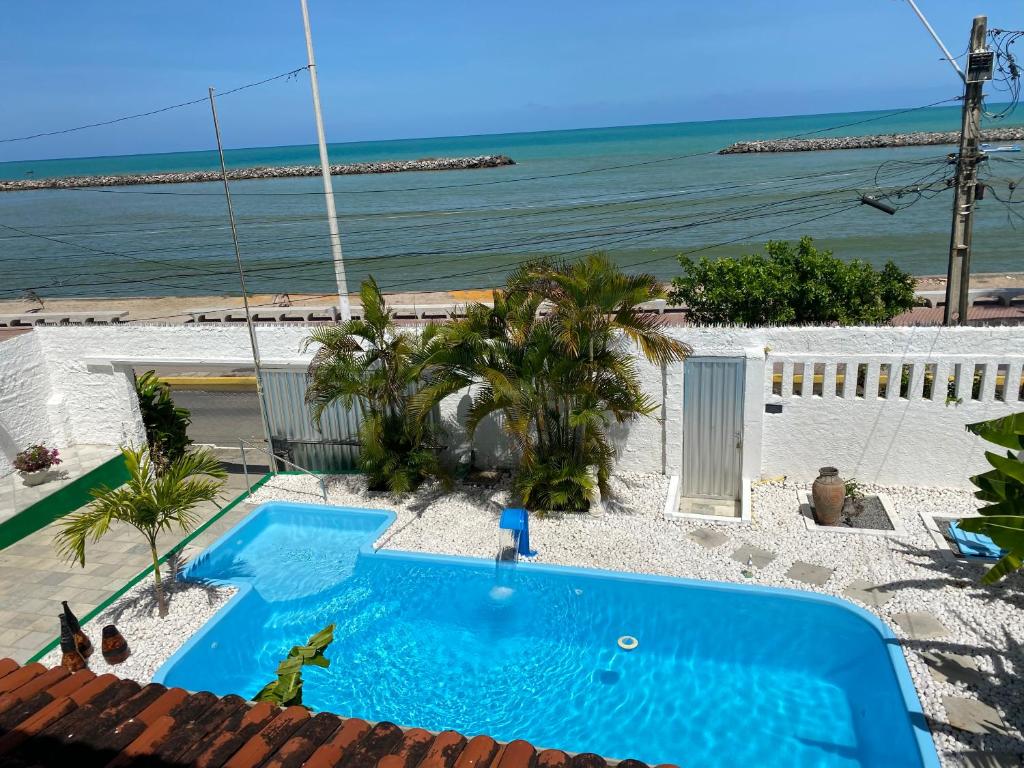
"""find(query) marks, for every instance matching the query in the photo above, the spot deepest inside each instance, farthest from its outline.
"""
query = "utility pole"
(245, 296)
(325, 172)
(958, 280)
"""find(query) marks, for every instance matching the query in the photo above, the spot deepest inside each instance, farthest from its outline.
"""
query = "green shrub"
(166, 424)
(1003, 488)
(791, 285)
(370, 364)
(558, 380)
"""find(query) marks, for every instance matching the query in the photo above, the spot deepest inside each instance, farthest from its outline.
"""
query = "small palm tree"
(151, 502)
(559, 380)
(370, 364)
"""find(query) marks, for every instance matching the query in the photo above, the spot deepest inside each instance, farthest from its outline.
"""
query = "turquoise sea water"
(639, 193)
(724, 676)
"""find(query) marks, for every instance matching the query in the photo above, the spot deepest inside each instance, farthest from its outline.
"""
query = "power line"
(150, 113)
(672, 199)
(747, 212)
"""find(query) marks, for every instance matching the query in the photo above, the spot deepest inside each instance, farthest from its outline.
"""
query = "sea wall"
(878, 141)
(243, 174)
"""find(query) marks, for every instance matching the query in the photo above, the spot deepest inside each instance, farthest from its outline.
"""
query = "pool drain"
(628, 643)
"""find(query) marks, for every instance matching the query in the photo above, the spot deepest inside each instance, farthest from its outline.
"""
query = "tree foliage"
(1003, 488)
(557, 379)
(166, 424)
(151, 502)
(286, 690)
(791, 284)
(370, 364)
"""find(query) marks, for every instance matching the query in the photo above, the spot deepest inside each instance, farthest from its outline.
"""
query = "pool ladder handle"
(273, 467)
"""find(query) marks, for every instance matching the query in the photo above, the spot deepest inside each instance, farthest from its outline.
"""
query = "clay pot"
(71, 659)
(81, 639)
(829, 495)
(114, 646)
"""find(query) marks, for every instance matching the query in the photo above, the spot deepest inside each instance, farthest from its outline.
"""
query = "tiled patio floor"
(33, 578)
(76, 460)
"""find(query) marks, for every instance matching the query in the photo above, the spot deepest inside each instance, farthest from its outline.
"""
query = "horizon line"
(473, 135)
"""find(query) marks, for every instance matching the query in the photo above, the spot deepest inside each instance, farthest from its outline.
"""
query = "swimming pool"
(724, 675)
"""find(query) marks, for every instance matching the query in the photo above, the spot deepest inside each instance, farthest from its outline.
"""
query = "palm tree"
(370, 364)
(151, 502)
(560, 378)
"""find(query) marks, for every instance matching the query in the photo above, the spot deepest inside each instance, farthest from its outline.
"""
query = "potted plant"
(33, 464)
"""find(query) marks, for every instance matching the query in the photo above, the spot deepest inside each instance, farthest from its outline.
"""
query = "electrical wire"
(205, 99)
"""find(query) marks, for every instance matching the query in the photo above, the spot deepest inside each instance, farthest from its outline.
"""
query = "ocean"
(642, 194)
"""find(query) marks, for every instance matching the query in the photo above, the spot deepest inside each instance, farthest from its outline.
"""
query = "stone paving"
(808, 573)
(756, 556)
(75, 461)
(34, 579)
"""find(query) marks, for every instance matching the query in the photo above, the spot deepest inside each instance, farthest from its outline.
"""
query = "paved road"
(221, 418)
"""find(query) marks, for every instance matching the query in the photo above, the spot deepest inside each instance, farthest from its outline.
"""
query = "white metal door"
(712, 427)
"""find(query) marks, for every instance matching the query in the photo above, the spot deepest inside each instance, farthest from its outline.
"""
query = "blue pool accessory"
(517, 521)
(975, 544)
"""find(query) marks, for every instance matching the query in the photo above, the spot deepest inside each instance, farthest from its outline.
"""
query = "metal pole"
(937, 39)
(325, 172)
(958, 276)
(245, 467)
(245, 295)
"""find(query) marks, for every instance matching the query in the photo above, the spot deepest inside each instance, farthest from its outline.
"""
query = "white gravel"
(985, 623)
(152, 639)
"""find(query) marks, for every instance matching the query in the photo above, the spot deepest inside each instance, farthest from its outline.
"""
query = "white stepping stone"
(920, 626)
(953, 668)
(972, 716)
(809, 573)
(875, 595)
(709, 538)
(755, 555)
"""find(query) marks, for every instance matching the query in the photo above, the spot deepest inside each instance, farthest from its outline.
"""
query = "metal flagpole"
(325, 172)
(245, 296)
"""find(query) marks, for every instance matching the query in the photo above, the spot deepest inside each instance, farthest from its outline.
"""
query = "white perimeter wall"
(901, 438)
(25, 400)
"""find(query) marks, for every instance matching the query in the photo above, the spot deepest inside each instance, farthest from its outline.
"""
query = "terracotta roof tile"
(51, 718)
(479, 753)
(518, 754)
(236, 731)
(445, 750)
(336, 746)
(19, 677)
(410, 751)
(379, 741)
(309, 736)
(269, 739)
(25, 709)
(552, 758)
(7, 666)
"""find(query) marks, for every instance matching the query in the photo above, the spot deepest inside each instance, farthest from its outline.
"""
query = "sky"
(404, 68)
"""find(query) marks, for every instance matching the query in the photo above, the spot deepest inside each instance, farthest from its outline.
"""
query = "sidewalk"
(34, 579)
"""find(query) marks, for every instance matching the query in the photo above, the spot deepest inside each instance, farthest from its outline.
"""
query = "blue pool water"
(723, 676)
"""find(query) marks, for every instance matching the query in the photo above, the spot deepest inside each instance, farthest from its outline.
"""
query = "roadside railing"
(274, 458)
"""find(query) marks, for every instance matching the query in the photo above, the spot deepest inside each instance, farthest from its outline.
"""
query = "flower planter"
(38, 477)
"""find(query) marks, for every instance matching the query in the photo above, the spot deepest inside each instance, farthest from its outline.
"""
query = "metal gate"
(712, 427)
(335, 447)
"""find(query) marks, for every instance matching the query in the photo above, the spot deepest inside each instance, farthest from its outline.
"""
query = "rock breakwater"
(878, 141)
(243, 174)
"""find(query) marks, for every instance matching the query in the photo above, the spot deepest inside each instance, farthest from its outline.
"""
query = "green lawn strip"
(149, 569)
(72, 496)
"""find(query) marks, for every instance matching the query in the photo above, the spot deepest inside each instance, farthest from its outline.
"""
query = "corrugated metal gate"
(334, 448)
(712, 427)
